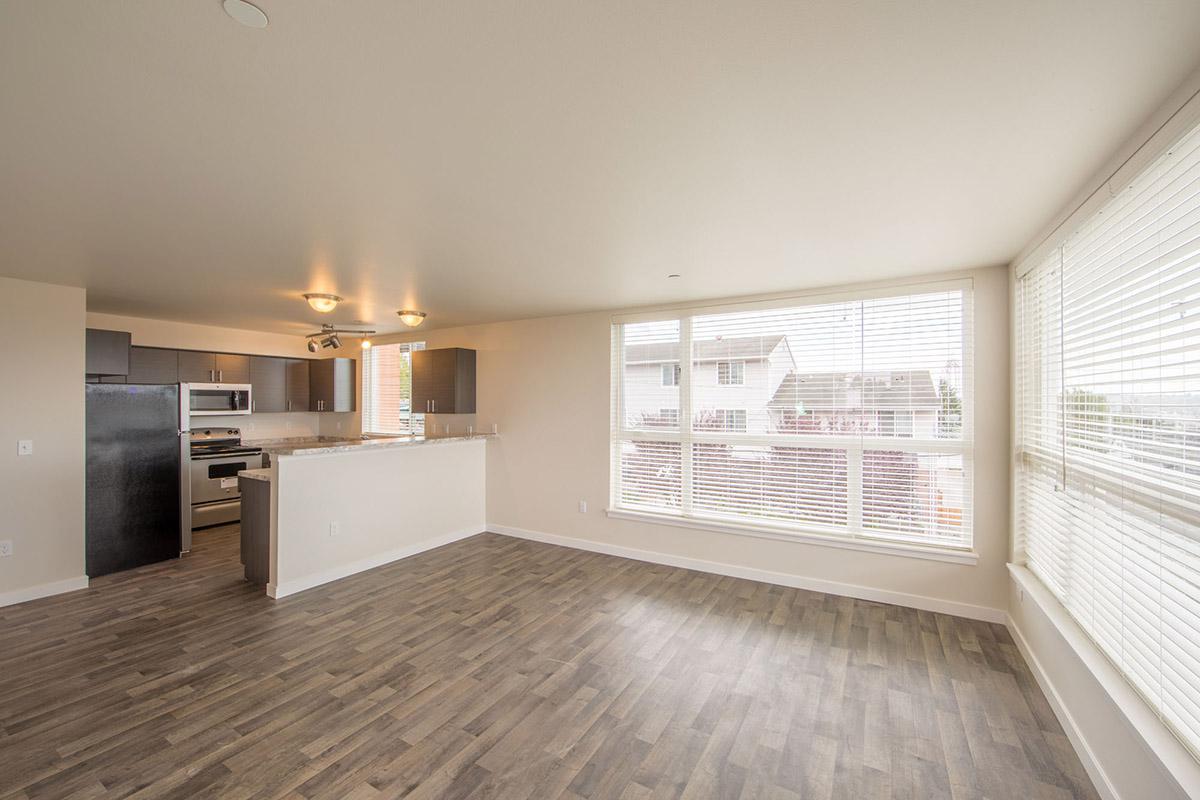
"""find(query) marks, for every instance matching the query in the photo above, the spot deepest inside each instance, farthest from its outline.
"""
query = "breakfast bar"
(326, 509)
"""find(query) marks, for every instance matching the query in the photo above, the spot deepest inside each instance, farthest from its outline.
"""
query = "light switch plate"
(25, 447)
(6, 548)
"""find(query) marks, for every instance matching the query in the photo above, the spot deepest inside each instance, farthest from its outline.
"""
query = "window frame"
(413, 416)
(670, 374)
(854, 444)
(729, 364)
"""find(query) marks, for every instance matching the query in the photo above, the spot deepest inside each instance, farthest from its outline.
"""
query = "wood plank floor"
(501, 668)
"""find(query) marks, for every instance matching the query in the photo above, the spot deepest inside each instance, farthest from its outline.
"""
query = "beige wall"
(545, 382)
(41, 496)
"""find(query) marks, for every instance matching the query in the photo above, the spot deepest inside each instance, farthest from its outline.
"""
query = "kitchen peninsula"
(326, 509)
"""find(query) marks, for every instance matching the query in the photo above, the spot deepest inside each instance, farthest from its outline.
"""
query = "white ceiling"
(498, 160)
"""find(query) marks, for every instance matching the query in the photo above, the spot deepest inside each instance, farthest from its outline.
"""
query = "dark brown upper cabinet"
(232, 368)
(443, 381)
(331, 384)
(153, 365)
(297, 380)
(199, 367)
(106, 352)
(268, 384)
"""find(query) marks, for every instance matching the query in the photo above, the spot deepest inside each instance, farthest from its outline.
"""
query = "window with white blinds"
(387, 390)
(1108, 393)
(848, 418)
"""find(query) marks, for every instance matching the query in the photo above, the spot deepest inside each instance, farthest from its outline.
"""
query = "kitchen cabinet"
(232, 368)
(443, 381)
(196, 366)
(296, 384)
(268, 384)
(153, 365)
(106, 352)
(331, 384)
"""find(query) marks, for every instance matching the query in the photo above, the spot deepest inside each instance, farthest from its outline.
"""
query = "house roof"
(737, 348)
(902, 389)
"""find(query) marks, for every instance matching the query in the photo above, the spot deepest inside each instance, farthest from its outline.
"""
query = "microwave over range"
(213, 399)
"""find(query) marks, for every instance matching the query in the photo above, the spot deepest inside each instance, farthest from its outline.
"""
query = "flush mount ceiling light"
(411, 318)
(247, 14)
(322, 302)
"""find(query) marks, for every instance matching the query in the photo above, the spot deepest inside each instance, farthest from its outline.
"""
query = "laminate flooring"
(501, 668)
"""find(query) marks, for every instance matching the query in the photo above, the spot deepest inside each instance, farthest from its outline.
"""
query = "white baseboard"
(43, 590)
(764, 576)
(295, 585)
(1091, 764)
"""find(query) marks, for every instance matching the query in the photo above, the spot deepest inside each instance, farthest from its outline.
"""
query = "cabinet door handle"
(434, 406)
(211, 379)
(220, 376)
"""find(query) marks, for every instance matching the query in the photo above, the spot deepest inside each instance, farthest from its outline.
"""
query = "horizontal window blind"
(387, 390)
(848, 418)
(1108, 393)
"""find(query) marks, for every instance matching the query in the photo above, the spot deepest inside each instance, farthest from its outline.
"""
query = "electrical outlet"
(333, 529)
(6, 548)
(583, 506)
(25, 447)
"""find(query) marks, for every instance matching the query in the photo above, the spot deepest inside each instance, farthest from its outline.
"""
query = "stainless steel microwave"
(216, 399)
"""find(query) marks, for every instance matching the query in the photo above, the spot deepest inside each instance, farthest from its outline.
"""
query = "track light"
(334, 341)
(312, 346)
(331, 337)
(327, 341)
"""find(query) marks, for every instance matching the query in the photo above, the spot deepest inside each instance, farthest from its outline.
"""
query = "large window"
(847, 418)
(1108, 396)
(387, 390)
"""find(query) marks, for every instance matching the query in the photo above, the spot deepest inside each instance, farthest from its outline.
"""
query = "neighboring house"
(733, 380)
(902, 403)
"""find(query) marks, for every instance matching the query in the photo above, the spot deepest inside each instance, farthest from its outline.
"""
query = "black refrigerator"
(134, 448)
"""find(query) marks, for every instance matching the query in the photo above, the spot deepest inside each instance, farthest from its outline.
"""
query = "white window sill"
(844, 542)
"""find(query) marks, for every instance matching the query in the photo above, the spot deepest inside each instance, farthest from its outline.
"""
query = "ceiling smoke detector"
(247, 14)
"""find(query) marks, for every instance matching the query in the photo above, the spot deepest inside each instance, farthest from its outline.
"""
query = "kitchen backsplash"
(267, 426)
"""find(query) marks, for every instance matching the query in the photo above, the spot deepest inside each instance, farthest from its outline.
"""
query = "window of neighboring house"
(1107, 480)
(885, 422)
(387, 390)
(731, 373)
(670, 374)
(819, 462)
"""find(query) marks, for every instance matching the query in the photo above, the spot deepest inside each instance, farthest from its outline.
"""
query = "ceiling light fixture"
(331, 337)
(411, 318)
(322, 302)
(248, 14)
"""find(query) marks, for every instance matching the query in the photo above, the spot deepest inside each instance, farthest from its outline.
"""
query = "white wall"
(388, 504)
(188, 336)
(546, 383)
(41, 496)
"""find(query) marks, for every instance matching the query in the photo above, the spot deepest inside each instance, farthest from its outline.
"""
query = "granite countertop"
(256, 474)
(325, 445)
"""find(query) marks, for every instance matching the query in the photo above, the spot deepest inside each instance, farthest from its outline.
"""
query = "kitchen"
(171, 427)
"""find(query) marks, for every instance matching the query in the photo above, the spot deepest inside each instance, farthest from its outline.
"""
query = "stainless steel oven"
(213, 399)
(217, 456)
